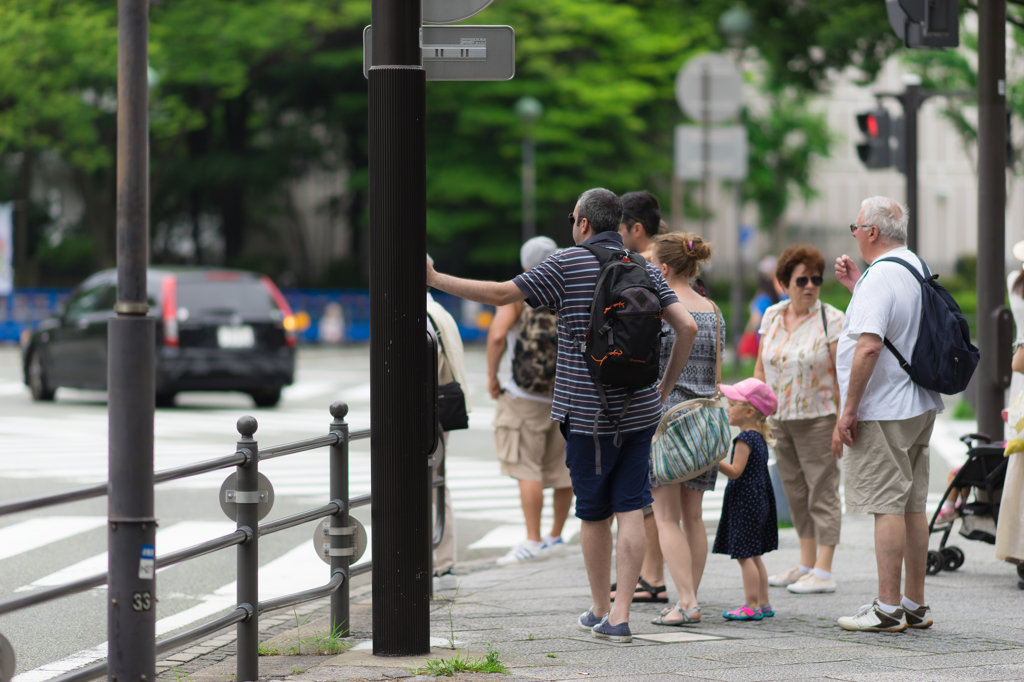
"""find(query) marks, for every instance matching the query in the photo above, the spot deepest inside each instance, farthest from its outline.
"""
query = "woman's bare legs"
(668, 513)
(695, 531)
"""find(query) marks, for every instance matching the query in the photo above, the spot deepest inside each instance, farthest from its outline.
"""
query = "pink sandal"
(743, 613)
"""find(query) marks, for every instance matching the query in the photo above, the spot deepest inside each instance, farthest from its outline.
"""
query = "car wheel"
(165, 399)
(266, 398)
(39, 378)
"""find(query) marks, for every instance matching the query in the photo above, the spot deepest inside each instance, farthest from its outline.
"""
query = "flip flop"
(645, 586)
(687, 618)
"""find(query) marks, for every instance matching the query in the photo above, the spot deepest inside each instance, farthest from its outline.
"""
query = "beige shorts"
(886, 470)
(528, 443)
(810, 476)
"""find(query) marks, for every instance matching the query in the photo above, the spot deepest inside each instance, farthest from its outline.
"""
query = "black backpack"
(943, 359)
(622, 346)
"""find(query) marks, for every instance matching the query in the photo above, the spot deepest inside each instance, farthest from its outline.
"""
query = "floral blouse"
(797, 364)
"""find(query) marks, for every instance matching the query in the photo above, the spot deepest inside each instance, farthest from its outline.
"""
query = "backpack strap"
(617, 440)
(917, 275)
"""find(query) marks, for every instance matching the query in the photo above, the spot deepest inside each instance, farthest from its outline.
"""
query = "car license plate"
(235, 337)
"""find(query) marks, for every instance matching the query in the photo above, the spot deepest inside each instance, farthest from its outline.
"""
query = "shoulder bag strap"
(828, 344)
(718, 349)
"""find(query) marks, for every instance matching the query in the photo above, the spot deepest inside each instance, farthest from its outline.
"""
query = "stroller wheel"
(952, 558)
(934, 562)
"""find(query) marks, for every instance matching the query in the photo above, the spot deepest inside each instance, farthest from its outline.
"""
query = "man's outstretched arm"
(491, 293)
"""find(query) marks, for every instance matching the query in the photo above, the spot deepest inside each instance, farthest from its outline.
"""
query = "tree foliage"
(253, 95)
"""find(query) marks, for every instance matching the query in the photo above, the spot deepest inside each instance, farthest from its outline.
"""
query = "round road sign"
(450, 11)
(230, 497)
(709, 86)
(322, 540)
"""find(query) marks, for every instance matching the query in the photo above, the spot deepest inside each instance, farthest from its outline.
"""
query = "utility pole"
(991, 377)
(131, 531)
(912, 98)
(399, 416)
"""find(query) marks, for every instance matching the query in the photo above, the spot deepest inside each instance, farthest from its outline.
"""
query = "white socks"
(804, 570)
(888, 608)
(548, 539)
(907, 604)
(824, 575)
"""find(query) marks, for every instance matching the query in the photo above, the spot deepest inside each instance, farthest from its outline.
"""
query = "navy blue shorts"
(623, 485)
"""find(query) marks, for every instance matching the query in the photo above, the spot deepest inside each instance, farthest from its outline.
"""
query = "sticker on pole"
(322, 540)
(450, 11)
(6, 660)
(147, 562)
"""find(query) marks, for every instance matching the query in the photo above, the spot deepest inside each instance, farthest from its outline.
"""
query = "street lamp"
(735, 24)
(529, 110)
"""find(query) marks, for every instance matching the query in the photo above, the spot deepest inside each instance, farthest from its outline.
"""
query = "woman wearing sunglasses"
(797, 359)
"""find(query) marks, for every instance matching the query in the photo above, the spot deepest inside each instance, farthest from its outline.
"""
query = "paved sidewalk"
(528, 614)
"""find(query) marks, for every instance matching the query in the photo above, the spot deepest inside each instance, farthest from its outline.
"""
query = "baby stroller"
(983, 472)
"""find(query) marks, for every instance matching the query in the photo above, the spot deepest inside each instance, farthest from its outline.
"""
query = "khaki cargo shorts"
(528, 443)
(886, 470)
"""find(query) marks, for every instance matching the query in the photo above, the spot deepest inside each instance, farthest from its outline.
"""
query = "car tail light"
(286, 310)
(169, 310)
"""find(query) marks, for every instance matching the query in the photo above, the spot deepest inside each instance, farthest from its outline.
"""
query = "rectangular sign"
(460, 53)
(6, 249)
(727, 153)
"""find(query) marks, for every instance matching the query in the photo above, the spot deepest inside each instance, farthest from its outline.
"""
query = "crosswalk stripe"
(35, 533)
(295, 571)
(171, 539)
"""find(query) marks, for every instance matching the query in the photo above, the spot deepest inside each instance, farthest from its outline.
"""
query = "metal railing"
(247, 497)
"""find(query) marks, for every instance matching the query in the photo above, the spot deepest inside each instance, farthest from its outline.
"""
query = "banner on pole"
(6, 249)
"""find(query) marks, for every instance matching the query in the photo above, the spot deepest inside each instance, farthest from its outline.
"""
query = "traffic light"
(875, 152)
(925, 23)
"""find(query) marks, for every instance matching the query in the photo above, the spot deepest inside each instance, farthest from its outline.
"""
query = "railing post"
(247, 517)
(340, 622)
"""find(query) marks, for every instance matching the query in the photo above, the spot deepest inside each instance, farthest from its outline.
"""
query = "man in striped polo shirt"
(565, 283)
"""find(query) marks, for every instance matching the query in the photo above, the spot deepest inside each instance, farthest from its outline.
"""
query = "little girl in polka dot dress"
(748, 527)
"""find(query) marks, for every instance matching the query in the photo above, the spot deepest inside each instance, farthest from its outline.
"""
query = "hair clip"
(691, 246)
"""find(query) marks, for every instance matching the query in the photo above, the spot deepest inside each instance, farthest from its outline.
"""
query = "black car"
(217, 330)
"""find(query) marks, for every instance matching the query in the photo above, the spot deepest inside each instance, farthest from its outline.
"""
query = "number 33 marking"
(141, 601)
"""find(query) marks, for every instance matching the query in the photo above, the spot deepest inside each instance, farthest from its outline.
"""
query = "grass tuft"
(268, 649)
(446, 667)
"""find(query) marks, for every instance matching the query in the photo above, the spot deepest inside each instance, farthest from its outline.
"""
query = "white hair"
(889, 216)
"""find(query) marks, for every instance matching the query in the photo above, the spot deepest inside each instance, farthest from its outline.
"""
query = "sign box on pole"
(727, 158)
(460, 53)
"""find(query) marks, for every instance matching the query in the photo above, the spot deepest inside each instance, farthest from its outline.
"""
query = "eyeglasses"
(572, 220)
(854, 227)
(816, 281)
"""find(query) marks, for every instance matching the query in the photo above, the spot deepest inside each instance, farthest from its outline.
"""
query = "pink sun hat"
(755, 392)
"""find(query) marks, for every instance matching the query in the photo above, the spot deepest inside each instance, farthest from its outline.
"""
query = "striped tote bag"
(692, 437)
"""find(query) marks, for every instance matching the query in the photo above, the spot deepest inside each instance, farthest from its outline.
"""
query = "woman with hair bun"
(797, 359)
(679, 257)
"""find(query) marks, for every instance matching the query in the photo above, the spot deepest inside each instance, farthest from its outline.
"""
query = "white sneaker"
(786, 577)
(446, 581)
(554, 547)
(871, 618)
(812, 584)
(524, 551)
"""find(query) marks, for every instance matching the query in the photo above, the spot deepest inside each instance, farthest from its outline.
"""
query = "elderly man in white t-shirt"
(886, 419)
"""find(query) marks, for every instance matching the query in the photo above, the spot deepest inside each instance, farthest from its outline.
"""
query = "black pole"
(339, 491)
(912, 98)
(991, 208)
(247, 554)
(131, 605)
(398, 375)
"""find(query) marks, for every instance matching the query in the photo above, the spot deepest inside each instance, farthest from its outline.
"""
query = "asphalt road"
(49, 447)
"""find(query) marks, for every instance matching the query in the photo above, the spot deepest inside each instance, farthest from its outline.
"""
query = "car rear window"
(226, 298)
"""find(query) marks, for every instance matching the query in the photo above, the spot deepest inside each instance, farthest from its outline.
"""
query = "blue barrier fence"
(347, 311)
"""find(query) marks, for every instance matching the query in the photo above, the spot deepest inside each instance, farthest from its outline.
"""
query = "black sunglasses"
(816, 281)
(572, 220)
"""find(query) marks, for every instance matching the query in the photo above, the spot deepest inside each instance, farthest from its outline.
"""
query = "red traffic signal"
(877, 126)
